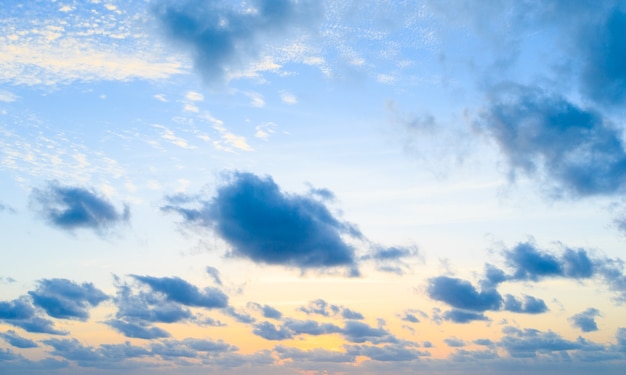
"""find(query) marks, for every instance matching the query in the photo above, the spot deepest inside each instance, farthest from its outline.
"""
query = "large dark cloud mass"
(225, 39)
(576, 149)
(269, 226)
(69, 208)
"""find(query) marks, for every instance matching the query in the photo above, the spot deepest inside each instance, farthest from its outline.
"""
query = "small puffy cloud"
(530, 305)
(314, 355)
(138, 329)
(215, 274)
(359, 332)
(530, 263)
(267, 311)
(21, 313)
(194, 96)
(462, 294)
(64, 299)
(528, 343)
(17, 341)
(224, 40)
(323, 308)
(266, 225)
(574, 148)
(454, 342)
(586, 320)
(88, 356)
(288, 98)
(7, 97)
(241, 317)
(265, 130)
(69, 208)
(178, 290)
(462, 316)
(269, 331)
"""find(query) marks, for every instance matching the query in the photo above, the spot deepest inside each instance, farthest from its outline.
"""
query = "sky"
(302, 187)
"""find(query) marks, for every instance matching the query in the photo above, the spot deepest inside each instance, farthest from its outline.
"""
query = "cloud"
(64, 299)
(269, 331)
(70, 208)
(88, 356)
(386, 353)
(463, 295)
(359, 332)
(530, 305)
(240, 317)
(454, 342)
(314, 355)
(21, 313)
(138, 329)
(17, 341)
(462, 317)
(178, 290)
(267, 311)
(529, 263)
(215, 274)
(575, 149)
(269, 226)
(224, 41)
(528, 343)
(604, 52)
(585, 320)
(323, 308)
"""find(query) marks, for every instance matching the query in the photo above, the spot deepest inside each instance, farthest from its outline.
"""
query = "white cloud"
(288, 97)
(7, 97)
(194, 96)
(264, 131)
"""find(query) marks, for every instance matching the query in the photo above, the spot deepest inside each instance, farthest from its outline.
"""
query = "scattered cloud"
(13, 339)
(266, 225)
(64, 299)
(178, 290)
(585, 320)
(575, 150)
(69, 208)
(226, 41)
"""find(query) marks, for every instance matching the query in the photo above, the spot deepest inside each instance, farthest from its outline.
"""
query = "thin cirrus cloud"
(225, 41)
(71, 207)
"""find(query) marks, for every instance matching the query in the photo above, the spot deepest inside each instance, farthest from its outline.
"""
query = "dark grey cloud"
(351, 314)
(13, 339)
(586, 320)
(409, 317)
(148, 307)
(462, 294)
(64, 299)
(530, 305)
(225, 39)
(178, 290)
(70, 208)
(576, 149)
(269, 226)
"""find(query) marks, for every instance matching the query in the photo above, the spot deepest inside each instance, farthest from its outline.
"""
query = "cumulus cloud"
(530, 305)
(462, 316)
(226, 40)
(586, 320)
(576, 149)
(462, 294)
(386, 353)
(69, 208)
(13, 339)
(178, 290)
(528, 343)
(267, 311)
(21, 313)
(323, 308)
(137, 329)
(267, 225)
(64, 299)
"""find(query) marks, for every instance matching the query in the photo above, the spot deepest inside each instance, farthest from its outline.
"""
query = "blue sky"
(312, 187)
